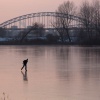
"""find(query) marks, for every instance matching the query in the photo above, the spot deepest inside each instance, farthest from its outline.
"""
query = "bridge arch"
(45, 18)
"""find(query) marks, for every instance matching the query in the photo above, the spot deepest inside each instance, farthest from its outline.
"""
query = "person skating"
(25, 64)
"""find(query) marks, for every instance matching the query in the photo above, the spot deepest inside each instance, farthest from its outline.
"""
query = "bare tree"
(87, 13)
(36, 28)
(90, 12)
(96, 20)
(62, 23)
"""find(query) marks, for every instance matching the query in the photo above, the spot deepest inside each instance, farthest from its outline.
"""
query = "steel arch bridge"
(45, 18)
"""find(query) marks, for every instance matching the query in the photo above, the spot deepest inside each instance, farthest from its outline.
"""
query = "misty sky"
(14, 8)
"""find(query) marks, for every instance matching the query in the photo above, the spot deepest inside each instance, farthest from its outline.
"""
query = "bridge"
(45, 18)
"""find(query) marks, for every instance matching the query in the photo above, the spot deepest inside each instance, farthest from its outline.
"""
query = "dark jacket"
(25, 62)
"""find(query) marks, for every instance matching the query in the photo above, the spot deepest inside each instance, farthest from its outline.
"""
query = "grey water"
(54, 73)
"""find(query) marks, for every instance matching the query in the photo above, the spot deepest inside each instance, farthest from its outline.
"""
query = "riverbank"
(46, 42)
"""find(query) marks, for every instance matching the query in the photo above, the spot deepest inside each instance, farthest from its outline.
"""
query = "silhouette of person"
(25, 64)
(24, 76)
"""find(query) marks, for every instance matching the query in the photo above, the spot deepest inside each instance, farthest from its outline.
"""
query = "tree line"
(89, 32)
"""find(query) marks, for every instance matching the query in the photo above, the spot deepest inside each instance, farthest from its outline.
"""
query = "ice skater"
(25, 64)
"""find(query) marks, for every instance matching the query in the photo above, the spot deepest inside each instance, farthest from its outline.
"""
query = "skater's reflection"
(24, 75)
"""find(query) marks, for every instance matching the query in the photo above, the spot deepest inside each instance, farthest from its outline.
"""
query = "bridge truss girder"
(45, 18)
